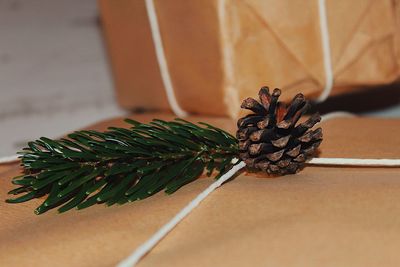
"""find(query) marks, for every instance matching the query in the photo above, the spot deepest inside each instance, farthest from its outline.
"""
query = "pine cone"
(271, 140)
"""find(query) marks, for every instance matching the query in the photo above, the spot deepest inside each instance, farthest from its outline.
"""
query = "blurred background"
(55, 74)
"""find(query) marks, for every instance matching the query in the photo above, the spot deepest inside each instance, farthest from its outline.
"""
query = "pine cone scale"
(294, 151)
(276, 155)
(281, 142)
(263, 124)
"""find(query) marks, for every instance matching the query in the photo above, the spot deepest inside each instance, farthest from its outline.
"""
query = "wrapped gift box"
(322, 216)
(219, 52)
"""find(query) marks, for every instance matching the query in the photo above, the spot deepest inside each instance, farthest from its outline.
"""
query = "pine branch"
(121, 165)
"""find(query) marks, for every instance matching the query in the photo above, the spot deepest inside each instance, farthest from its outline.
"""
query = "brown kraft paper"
(219, 52)
(322, 216)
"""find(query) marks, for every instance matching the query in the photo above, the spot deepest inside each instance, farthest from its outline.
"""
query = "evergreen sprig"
(121, 165)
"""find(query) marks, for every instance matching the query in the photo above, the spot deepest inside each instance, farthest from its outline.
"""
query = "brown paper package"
(322, 216)
(219, 52)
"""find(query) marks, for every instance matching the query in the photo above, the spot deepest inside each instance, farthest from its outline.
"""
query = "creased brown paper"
(219, 52)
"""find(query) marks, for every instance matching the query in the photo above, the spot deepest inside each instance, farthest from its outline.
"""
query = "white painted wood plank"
(53, 70)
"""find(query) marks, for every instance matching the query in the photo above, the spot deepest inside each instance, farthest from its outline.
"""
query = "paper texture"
(219, 52)
(323, 216)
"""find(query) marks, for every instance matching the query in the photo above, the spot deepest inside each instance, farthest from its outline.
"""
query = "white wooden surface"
(54, 74)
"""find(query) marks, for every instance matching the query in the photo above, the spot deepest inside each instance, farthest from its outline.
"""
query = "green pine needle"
(121, 165)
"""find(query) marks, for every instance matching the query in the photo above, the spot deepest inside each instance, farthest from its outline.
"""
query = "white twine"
(337, 114)
(326, 51)
(147, 246)
(350, 161)
(143, 249)
(9, 159)
(355, 162)
(161, 59)
(164, 70)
